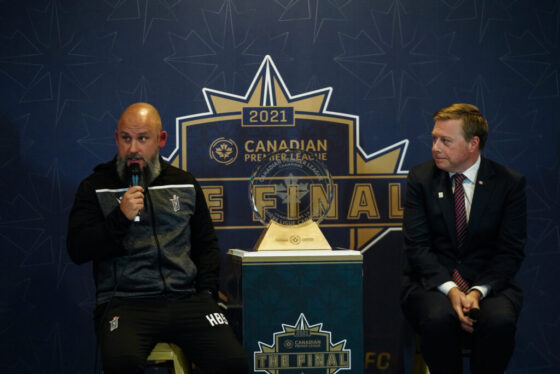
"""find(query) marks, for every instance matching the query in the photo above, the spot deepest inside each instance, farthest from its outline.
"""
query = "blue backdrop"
(68, 68)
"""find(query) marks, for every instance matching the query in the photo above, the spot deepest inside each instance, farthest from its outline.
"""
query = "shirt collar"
(471, 172)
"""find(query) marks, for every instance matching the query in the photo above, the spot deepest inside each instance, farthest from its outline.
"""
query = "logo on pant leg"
(217, 319)
(114, 323)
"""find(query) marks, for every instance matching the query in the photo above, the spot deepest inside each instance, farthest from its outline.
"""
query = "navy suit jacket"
(493, 249)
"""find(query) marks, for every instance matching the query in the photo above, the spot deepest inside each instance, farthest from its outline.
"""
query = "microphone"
(474, 314)
(135, 180)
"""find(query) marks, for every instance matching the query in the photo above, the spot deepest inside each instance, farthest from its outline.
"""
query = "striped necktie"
(460, 212)
(460, 226)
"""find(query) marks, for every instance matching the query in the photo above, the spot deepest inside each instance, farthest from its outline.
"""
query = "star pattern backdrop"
(69, 68)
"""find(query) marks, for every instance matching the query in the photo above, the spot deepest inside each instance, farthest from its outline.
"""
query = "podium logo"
(303, 348)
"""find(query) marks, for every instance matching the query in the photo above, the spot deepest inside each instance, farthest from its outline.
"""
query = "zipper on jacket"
(156, 238)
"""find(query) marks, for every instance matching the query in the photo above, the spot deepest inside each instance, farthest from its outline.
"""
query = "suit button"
(459, 262)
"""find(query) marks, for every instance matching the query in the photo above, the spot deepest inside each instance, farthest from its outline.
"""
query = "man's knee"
(437, 318)
(499, 325)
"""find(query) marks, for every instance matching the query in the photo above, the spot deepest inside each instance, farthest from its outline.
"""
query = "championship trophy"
(290, 192)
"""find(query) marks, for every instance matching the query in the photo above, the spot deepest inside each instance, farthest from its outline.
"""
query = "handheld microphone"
(135, 174)
(474, 314)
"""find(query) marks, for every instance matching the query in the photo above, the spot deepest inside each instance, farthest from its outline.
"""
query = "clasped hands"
(132, 202)
(462, 303)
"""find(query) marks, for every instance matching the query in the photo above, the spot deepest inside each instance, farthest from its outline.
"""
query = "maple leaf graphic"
(224, 150)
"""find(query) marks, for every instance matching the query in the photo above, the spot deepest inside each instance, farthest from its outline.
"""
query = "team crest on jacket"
(175, 203)
(223, 146)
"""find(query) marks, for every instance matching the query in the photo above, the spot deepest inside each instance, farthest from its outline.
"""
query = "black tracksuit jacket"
(172, 250)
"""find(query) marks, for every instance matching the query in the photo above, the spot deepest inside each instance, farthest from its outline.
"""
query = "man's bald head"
(139, 135)
(141, 113)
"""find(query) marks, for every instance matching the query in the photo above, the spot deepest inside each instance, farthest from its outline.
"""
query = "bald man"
(155, 255)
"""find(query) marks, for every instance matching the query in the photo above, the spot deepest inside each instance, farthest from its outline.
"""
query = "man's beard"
(151, 170)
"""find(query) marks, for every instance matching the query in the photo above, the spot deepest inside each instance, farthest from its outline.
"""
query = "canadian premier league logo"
(223, 146)
(302, 348)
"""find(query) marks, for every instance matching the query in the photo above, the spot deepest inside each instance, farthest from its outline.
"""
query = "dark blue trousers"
(491, 344)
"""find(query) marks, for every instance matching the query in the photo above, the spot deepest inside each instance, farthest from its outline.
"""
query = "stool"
(170, 352)
(419, 366)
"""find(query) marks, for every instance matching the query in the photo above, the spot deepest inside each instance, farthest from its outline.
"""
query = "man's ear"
(162, 139)
(474, 143)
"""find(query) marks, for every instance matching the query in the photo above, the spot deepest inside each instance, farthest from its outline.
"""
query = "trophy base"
(305, 236)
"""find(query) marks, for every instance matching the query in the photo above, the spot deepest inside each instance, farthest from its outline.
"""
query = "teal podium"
(298, 312)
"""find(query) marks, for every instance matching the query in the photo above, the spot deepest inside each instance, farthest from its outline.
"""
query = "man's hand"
(473, 300)
(462, 303)
(132, 202)
(474, 297)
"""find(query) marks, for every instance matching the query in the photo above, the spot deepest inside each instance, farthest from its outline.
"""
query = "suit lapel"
(483, 189)
(444, 197)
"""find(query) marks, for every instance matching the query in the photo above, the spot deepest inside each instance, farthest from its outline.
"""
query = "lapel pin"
(480, 182)
(440, 195)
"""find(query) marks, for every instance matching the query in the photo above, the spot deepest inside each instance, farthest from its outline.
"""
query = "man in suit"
(464, 232)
